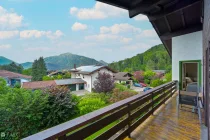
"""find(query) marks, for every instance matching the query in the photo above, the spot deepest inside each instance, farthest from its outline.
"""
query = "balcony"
(150, 115)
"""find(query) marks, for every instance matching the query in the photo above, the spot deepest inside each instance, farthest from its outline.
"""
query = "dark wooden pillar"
(206, 53)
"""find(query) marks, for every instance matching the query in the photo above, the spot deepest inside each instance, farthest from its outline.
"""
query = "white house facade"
(12, 78)
(89, 74)
(189, 50)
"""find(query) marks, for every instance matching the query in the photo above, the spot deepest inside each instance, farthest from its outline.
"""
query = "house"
(12, 78)
(74, 84)
(123, 77)
(159, 71)
(89, 74)
(183, 26)
(55, 73)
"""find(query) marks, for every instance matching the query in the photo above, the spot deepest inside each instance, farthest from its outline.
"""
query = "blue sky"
(33, 28)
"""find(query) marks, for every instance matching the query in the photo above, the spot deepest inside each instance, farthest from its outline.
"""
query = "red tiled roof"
(8, 74)
(38, 84)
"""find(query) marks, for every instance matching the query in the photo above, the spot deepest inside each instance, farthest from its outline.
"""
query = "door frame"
(181, 71)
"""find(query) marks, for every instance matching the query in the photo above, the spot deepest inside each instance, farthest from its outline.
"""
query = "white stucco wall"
(73, 75)
(185, 47)
(86, 78)
(89, 78)
(95, 75)
(24, 80)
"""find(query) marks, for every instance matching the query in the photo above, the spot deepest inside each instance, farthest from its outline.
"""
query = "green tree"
(156, 82)
(27, 71)
(148, 76)
(47, 78)
(61, 106)
(13, 67)
(21, 112)
(38, 69)
(3, 86)
(168, 76)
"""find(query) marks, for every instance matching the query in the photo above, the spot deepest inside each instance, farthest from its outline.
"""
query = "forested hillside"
(156, 58)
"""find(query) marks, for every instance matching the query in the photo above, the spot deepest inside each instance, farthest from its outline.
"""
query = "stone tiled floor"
(170, 124)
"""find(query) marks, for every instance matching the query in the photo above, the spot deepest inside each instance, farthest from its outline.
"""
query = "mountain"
(60, 62)
(156, 58)
(27, 65)
(67, 60)
(104, 63)
(5, 61)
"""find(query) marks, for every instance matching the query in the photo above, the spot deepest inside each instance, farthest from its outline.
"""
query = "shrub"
(146, 81)
(21, 112)
(61, 106)
(117, 95)
(168, 76)
(157, 82)
(103, 83)
(17, 85)
(121, 87)
(88, 104)
(138, 76)
(128, 86)
(103, 96)
(3, 86)
(148, 76)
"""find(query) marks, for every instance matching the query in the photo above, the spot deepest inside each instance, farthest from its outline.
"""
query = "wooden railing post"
(164, 91)
(129, 120)
(152, 104)
(171, 90)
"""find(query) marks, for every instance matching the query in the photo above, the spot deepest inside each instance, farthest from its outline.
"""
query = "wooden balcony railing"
(122, 117)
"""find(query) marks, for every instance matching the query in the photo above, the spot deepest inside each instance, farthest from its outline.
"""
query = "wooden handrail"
(88, 124)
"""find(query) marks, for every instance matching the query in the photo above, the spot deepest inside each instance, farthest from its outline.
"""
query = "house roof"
(8, 74)
(159, 71)
(69, 81)
(38, 84)
(46, 84)
(169, 18)
(89, 69)
(55, 73)
(124, 76)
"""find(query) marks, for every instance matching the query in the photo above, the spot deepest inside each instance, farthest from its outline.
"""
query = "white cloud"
(99, 11)
(107, 50)
(136, 47)
(120, 28)
(37, 49)
(38, 34)
(8, 34)
(73, 10)
(5, 46)
(141, 18)
(78, 26)
(9, 20)
(148, 33)
(107, 38)
(30, 34)
(57, 34)
(126, 40)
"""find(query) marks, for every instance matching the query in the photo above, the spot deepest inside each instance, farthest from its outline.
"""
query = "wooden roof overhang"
(169, 18)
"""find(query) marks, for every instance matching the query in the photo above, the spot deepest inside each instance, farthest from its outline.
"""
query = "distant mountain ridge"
(59, 62)
(5, 61)
(104, 63)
